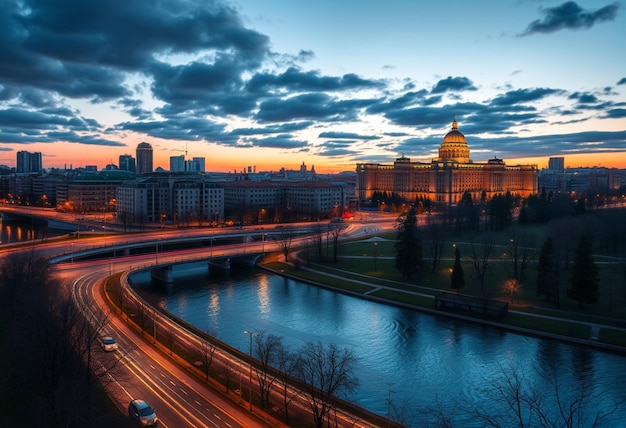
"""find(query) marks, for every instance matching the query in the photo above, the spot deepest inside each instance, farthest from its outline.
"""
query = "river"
(411, 365)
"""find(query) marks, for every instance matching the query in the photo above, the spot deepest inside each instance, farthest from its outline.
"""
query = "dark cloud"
(432, 116)
(570, 16)
(410, 98)
(280, 142)
(311, 106)
(523, 96)
(273, 129)
(86, 48)
(584, 98)
(186, 129)
(622, 81)
(617, 113)
(347, 135)
(453, 84)
(296, 80)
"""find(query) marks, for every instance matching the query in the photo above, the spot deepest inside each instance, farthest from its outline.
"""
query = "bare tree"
(327, 371)
(207, 352)
(515, 401)
(267, 349)
(521, 253)
(335, 230)
(435, 233)
(285, 239)
(285, 364)
(481, 253)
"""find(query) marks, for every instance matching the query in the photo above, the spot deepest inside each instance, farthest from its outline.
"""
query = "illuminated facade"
(447, 178)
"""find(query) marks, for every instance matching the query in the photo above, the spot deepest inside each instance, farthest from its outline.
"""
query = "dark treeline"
(45, 349)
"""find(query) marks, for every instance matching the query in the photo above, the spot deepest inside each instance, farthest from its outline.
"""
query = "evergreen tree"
(547, 280)
(408, 246)
(584, 274)
(457, 278)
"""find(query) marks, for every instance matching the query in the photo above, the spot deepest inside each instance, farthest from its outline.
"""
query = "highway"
(141, 371)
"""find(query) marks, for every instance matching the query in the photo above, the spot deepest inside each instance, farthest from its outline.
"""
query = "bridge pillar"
(163, 275)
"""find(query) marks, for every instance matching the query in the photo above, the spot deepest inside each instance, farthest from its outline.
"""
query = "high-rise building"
(177, 163)
(444, 180)
(144, 158)
(28, 162)
(556, 164)
(127, 163)
(198, 164)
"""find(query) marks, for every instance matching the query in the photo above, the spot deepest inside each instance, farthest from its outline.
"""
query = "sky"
(276, 83)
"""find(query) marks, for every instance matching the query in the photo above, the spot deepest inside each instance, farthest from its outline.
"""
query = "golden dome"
(454, 146)
(454, 136)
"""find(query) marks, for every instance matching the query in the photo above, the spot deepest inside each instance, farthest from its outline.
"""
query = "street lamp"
(263, 245)
(375, 254)
(250, 334)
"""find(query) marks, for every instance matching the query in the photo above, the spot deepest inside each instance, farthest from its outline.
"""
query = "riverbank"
(603, 334)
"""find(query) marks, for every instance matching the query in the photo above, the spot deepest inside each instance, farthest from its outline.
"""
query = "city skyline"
(274, 84)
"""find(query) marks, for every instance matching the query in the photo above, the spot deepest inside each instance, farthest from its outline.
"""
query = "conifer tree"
(584, 274)
(408, 246)
(457, 277)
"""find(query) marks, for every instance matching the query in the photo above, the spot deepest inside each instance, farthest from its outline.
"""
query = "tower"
(144, 158)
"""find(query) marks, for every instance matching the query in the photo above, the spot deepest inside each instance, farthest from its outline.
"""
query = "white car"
(142, 413)
(107, 343)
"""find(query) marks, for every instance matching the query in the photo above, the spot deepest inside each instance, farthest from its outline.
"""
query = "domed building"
(454, 147)
(447, 178)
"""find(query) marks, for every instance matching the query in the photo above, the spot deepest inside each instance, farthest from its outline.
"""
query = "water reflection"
(415, 360)
(16, 232)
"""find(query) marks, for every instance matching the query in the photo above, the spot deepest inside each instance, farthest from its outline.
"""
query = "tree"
(285, 364)
(46, 349)
(584, 274)
(435, 240)
(285, 239)
(521, 253)
(547, 279)
(267, 349)
(207, 353)
(327, 371)
(457, 277)
(517, 401)
(481, 255)
(408, 245)
(335, 230)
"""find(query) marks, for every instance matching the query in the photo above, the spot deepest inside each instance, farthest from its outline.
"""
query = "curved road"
(142, 371)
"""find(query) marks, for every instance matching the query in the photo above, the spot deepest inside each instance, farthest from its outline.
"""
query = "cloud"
(273, 129)
(285, 141)
(311, 106)
(584, 98)
(294, 79)
(347, 135)
(453, 84)
(570, 16)
(622, 81)
(523, 96)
